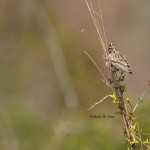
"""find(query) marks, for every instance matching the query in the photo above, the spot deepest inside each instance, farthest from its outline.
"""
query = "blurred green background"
(47, 82)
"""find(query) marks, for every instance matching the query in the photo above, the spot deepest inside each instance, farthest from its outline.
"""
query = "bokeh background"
(47, 82)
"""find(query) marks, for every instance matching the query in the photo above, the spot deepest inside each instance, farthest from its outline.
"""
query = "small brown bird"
(117, 60)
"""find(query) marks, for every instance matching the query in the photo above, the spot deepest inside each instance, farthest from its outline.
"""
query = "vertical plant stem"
(119, 90)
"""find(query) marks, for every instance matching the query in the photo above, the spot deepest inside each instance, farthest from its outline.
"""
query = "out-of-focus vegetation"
(47, 82)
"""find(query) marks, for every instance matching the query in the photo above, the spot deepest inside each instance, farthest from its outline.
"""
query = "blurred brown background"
(47, 82)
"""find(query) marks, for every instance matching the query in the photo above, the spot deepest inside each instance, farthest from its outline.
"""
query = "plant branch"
(98, 102)
(104, 78)
(140, 99)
